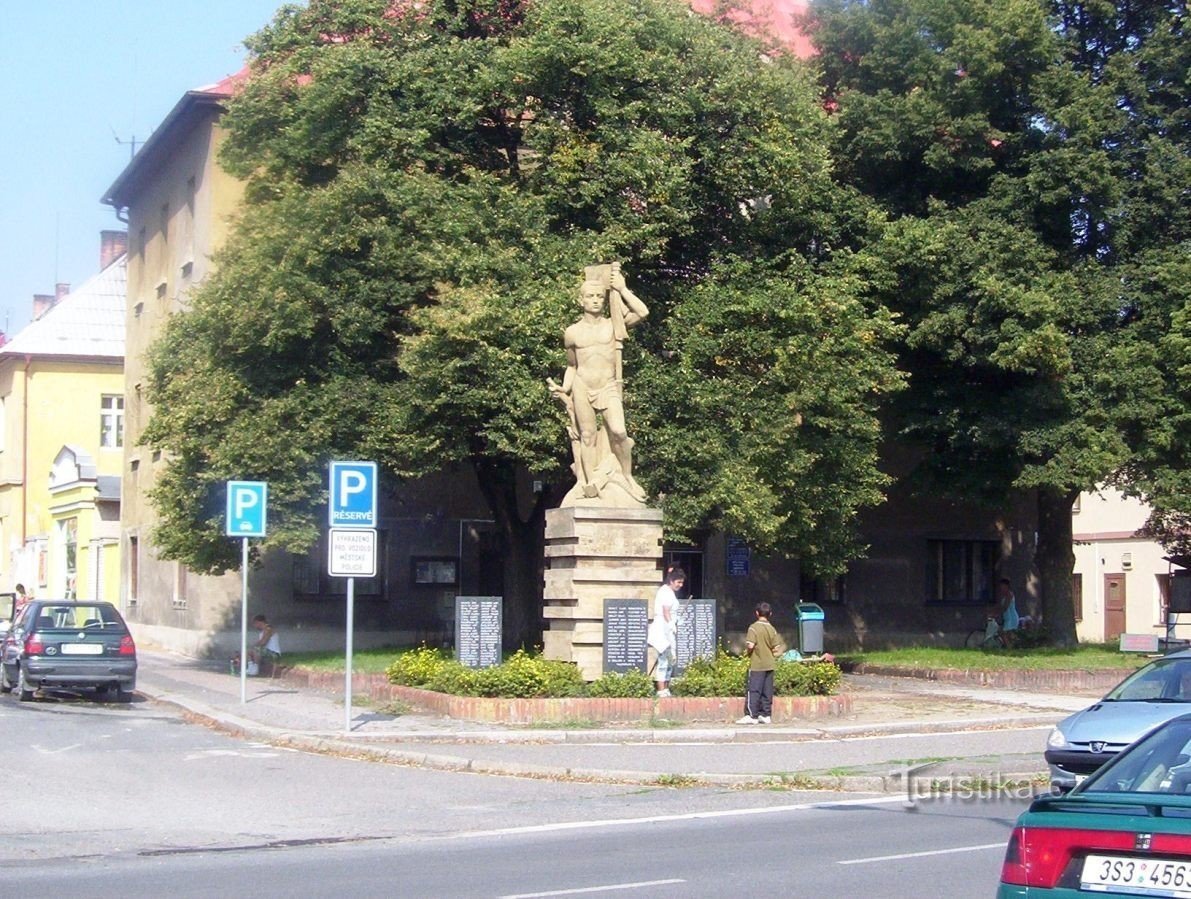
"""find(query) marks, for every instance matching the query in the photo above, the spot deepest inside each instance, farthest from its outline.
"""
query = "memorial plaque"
(478, 621)
(738, 557)
(626, 624)
(696, 632)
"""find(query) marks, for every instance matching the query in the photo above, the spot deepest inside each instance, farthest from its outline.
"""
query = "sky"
(82, 79)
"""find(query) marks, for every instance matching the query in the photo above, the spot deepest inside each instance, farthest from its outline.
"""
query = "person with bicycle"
(1010, 620)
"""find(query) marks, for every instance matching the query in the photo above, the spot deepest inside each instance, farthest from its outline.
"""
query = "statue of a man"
(594, 383)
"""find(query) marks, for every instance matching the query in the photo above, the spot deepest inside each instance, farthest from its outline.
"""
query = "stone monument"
(603, 541)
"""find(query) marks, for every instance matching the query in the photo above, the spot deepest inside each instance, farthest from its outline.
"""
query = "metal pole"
(347, 667)
(244, 622)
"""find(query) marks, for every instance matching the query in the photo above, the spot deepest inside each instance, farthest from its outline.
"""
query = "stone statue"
(594, 383)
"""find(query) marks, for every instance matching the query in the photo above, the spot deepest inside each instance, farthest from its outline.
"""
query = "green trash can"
(810, 627)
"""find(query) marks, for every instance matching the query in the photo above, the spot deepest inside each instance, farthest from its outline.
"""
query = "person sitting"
(267, 648)
(1007, 602)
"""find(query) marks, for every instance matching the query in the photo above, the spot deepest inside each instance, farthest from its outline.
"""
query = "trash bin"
(810, 627)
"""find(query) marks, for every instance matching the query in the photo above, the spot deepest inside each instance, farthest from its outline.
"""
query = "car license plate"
(82, 649)
(1142, 876)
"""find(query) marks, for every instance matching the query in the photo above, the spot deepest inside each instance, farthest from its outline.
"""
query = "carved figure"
(592, 390)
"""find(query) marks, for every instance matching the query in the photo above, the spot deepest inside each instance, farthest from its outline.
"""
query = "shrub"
(723, 675)
(806, 678)
(524, 675)
(416, 667)
(455, 679)
(620, 686)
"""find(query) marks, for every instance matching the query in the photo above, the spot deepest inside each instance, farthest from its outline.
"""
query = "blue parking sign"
(353, 495)
(246, 502)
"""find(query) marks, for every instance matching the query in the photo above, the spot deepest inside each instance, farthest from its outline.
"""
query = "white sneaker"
(747, 719)
(764, 719)
(662, 694)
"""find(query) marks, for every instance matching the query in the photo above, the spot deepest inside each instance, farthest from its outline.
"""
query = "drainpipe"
(25, 452)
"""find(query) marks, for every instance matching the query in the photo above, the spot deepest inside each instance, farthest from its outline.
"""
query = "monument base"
(595, 553)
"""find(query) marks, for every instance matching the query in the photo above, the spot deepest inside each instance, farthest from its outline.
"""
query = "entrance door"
(690, 561)
(1114, 607)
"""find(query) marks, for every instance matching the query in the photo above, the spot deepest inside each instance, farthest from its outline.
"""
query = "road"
(108, 800)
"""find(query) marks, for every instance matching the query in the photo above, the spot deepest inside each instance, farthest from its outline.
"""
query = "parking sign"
(353, 495)
(246, 502)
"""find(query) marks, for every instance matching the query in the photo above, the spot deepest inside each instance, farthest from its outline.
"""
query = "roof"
(165, 137)
(774, 17)
(87, 322)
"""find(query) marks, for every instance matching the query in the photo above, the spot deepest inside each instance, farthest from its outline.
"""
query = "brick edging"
(561, 709)
(1037, 680)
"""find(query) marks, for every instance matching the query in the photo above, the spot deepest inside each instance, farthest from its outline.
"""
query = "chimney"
(42, 303)
(112, 245)
(61, 289)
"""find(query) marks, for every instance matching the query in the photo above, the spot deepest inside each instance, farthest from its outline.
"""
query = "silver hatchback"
(70, 646)
(1150, 696)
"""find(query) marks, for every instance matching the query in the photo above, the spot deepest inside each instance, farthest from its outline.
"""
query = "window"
(1163, 597)
(961, 571)
(821, 590)
(134, 569)
(1077, 595)
(111, 421)
(69, 530)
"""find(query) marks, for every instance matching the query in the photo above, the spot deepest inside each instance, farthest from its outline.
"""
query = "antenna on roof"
(130, 143)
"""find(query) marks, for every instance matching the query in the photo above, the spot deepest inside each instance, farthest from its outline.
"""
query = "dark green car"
(54, 644)
(1125, 831)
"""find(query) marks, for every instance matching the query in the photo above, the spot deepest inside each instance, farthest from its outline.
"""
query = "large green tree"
(1033, 161)
(425, 182)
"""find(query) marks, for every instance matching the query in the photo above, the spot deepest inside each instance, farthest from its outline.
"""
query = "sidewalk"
(973, 733)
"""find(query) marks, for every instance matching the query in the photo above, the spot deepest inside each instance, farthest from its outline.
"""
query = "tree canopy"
(424, 184)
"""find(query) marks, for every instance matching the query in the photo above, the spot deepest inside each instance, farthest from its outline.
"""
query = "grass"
(365, 661)
(1085, 657)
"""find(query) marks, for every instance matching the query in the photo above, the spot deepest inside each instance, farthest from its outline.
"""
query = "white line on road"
(655, 819)
(890, 858)
(607, 888)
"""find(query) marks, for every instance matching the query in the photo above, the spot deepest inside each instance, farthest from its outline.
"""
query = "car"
(68, 645)
(1124, 831)
(1082, 742)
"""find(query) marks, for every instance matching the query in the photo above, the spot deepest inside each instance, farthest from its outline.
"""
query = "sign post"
(246, 512)
(352, 546)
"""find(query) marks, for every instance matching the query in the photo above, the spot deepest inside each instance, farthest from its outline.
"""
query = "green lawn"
(1086, 657)
(367, 661)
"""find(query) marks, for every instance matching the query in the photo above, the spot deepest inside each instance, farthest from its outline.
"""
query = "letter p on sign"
(353, 495)
(246, 507)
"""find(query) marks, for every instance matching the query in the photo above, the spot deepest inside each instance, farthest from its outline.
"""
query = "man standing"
(764, 646)
(594, 383)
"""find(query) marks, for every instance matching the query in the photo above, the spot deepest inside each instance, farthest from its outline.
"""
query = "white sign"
(352, 552)
(353, 495)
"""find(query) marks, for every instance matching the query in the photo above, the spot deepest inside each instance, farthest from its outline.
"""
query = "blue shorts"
(665, 665)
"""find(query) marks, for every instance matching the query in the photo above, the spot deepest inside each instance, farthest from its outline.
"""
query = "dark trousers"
(759, 701)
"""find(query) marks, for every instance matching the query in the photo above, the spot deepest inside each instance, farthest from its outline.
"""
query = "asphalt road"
(109, 800)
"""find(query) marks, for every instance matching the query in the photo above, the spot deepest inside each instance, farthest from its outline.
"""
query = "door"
(1114, 607)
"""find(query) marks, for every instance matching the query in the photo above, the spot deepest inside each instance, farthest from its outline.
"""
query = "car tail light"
(1037, 856)
(33, 645)
(127, 647)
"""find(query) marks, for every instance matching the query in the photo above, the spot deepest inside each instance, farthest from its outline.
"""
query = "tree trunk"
(521, 544)
(1055, 560)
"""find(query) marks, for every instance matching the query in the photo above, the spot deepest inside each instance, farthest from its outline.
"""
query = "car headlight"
(1056, 740)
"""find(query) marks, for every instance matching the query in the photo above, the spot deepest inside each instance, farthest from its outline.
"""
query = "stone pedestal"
(592, 554)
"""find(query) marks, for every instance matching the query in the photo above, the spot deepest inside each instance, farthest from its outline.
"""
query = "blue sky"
(77, 74)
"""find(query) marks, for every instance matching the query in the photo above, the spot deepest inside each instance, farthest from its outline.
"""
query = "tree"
(424, 183)
(1033, 161)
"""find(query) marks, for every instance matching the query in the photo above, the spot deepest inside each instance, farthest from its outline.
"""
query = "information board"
(696, 632)
(626, 623)
(738, 556)
(478, 622)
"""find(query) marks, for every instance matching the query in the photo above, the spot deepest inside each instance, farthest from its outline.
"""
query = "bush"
(622, 686)
(807, 678)
(416, 667)
(524, 675)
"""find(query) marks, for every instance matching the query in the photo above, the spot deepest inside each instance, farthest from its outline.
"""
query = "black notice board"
(626, 623)
(696, 632)
(478, 621)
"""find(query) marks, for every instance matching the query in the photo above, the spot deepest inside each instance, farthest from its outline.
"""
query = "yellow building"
(62, 387)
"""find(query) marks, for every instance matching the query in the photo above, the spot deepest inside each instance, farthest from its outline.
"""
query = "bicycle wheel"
(976, 639)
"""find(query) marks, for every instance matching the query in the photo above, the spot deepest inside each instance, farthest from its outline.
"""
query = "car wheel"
(5, 683)
(23, 689)
(122, 695)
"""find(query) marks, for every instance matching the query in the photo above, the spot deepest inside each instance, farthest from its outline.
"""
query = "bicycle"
(988, 637)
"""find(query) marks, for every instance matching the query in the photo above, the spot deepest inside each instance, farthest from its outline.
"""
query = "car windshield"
(1166, 680)
(81, 616)
(1158, 763)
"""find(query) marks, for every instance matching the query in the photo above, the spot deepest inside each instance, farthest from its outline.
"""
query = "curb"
(363, 748)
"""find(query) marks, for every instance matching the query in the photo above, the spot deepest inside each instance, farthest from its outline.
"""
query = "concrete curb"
(364, 747)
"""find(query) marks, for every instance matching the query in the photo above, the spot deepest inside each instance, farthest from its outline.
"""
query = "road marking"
(56, 751)
(657, 819)
(607, 888)
(890, 858)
